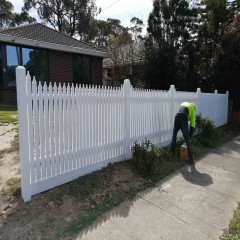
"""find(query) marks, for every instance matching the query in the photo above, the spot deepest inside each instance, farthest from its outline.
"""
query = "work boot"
(192, 161)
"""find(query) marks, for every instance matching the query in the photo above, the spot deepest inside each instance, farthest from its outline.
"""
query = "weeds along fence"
(68, 131)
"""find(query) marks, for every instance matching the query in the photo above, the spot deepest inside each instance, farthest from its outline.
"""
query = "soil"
(52, 211)
(7, 133)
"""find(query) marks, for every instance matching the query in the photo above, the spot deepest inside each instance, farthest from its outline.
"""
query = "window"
(13, 60)
(1, 73)
(34, 60)
(81, 69)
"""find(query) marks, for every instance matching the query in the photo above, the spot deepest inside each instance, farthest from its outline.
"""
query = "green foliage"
(151, 161)
(11, 186)
(105, 205)
(170, 25)
(8, 114)
(233, 232)
(5, 118)
(215, 17)
(9, 18)
(145, 155)
(226, 68)
(6, 9)
(206, 131)
(84, 186)
(70, 17)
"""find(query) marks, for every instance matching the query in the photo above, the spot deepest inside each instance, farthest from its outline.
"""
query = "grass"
(8, 114)
(11, 186)
(233, 232)
(92, 213)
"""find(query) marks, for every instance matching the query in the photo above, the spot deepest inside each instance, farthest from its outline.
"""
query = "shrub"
(206, 131)
(144, 157)
(148, 158)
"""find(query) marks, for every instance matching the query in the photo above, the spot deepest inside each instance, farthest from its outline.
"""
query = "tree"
(215, 16)
(226, 67)
(118, 38)
(135, 52)
(68, 16)
(170, 25)
(9, 18)
(22, 18)
(102, 32)
(6, 9)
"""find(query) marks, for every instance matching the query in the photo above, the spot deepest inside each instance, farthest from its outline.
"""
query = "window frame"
(3, 67)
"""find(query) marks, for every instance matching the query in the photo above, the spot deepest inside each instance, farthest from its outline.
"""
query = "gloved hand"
(191, 131)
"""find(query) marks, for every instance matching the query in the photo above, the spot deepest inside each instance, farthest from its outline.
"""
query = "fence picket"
(65, 116)
(46, 124)
(56, 126)
(41, 135)
(36, 129)
(30, 127)
(51, 130)
(60, 130)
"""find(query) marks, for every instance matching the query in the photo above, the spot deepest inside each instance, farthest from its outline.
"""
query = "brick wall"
(60, 70)
(97, 74)
(60, 67)
(8, 96)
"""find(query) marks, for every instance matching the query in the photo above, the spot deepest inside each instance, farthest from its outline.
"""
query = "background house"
(49, 55)
(125, 62)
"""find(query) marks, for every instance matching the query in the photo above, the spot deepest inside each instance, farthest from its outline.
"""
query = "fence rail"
(67, 131)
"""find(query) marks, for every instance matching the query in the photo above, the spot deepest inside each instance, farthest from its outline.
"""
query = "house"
(125, 62)
(48, 55)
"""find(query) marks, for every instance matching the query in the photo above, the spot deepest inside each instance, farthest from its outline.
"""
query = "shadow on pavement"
(193, 176)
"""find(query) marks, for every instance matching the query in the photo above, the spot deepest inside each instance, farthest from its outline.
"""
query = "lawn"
(233, 232)
(8, 114)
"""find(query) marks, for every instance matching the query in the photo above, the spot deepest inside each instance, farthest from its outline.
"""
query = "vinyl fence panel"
(69, 131)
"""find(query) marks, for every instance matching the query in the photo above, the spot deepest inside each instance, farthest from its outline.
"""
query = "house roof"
(38, 35)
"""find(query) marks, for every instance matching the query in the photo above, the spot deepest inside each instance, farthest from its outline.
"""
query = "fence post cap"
(127, 81)
(20, 67)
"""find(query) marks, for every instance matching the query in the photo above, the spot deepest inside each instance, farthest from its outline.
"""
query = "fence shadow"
(124, 208)
(189, 173)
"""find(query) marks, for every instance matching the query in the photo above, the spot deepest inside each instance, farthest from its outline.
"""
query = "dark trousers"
(181, 122)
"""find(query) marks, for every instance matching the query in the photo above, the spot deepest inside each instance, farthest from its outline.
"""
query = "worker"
(187, 112)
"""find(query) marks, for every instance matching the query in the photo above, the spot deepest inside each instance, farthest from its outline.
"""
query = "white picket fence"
(67, 132)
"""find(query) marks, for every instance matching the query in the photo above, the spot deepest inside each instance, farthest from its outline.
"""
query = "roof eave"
(52, 46)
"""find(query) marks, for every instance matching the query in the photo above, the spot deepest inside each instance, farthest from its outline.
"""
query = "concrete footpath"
(195, 203)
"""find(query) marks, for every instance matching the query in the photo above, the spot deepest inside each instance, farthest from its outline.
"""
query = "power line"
(110, 5)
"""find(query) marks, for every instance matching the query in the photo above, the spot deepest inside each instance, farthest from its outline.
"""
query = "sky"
(123, 10)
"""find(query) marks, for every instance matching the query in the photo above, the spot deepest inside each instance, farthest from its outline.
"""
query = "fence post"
(227, 108)
(216, 108)
(172, 95)
(127, 88)
(198, 103)
(22, 95)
